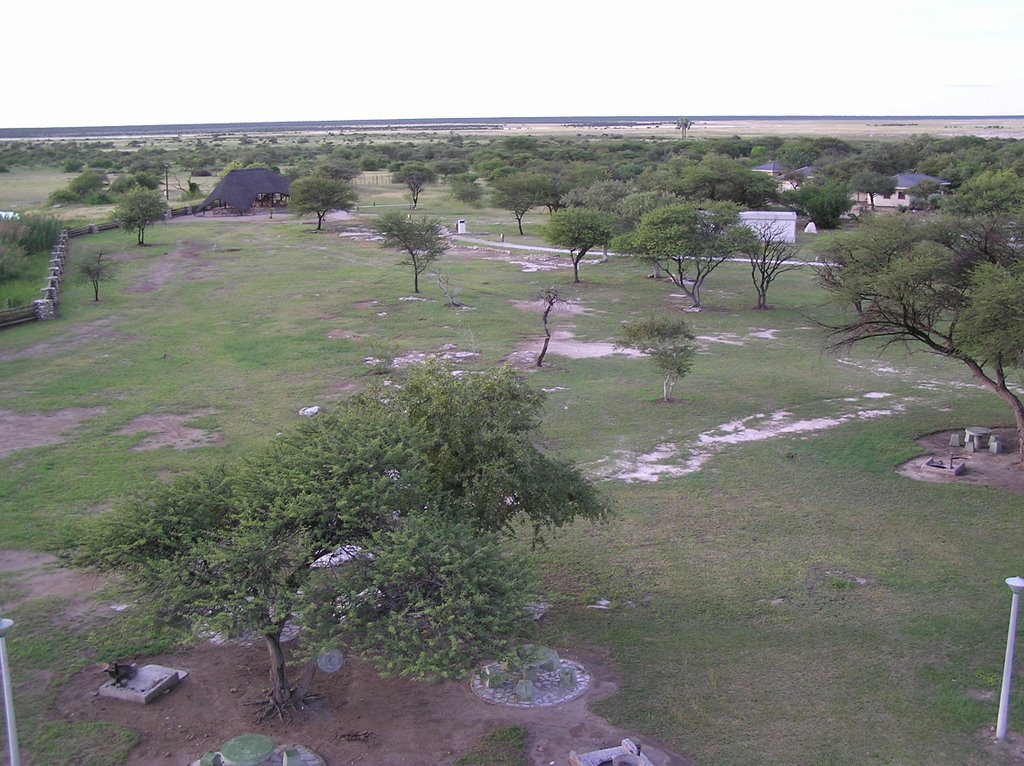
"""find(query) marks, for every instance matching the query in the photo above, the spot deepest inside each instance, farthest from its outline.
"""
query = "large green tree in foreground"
(952, 286)
(374, 525)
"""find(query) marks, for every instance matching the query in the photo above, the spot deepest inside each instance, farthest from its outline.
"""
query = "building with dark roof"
(242, 190)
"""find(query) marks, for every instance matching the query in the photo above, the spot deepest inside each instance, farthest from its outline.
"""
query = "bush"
(122, 184)
(38, 233)
(11, 257)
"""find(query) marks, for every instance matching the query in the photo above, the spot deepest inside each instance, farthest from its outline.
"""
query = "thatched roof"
(240, 188)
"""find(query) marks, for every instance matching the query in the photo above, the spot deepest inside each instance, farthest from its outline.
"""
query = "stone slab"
(600, 757)
(149, 681)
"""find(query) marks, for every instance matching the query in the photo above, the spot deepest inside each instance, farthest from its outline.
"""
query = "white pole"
(12, 730)
(1016, 584)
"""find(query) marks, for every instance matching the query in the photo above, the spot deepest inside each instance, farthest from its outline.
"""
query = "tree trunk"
(519, 220)
(998, 385)
(543, 351)
(305, 684)
(1018, 415)
(279, 691)
(666, 387)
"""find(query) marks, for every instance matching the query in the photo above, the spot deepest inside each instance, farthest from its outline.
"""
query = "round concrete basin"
(247, 750)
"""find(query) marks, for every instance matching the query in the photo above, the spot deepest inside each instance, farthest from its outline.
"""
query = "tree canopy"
(415, 176)
(422, 240)
(138, 208)
(373, 523)
(688, 241)
(668, 341)
(518, 193)
(824, 203)
(579, 230)
(321, 193)
(947, 286)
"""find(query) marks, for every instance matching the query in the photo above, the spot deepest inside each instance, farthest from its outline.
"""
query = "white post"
(1016, 584)
(12, 731)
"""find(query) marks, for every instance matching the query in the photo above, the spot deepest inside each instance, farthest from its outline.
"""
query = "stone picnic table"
(975, 434)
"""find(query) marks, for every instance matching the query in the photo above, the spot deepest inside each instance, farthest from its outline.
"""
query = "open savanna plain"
(778, 593)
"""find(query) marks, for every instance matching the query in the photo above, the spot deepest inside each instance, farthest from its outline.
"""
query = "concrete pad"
(149, 681)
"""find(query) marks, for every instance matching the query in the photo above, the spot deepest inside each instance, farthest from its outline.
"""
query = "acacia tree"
(480, 433)
(423, 240)
(94, 270)
(871, 183)
(684, 124)
(411, 485)
(770, 255)
(415, 176)
(140, 207)
(230, 549)
(824, 203)
(951, 287)
(667, 340)
(578, 230)
(689, 242)
(320, 193)
(518, 193)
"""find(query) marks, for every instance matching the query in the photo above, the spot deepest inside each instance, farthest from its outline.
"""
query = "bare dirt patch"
(170, 431)
(981, 468)
(40, 429)
(187, 258)
(38, 575)
(359, 719)
(84, 332)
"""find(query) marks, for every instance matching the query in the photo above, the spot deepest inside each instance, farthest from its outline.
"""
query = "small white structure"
(765, 222)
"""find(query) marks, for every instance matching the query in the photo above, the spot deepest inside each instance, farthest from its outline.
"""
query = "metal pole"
(1016, 584)
(12, 730)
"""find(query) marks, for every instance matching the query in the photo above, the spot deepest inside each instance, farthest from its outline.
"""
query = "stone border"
(548, 691)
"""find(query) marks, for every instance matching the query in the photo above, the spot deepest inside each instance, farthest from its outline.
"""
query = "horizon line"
(323, 123)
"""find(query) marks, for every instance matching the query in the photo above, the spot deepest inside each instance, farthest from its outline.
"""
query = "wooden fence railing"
(10, 317)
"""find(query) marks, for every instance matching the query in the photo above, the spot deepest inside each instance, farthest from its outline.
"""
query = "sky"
(138, 62)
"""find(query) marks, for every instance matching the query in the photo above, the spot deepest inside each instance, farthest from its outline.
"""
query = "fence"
(45, 307)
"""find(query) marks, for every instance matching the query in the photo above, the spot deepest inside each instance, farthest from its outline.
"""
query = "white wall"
(764, 221)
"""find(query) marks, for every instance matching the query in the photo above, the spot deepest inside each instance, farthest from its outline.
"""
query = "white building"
(766, 222)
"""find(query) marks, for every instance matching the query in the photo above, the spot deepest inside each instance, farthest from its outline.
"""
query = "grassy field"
(793, 601)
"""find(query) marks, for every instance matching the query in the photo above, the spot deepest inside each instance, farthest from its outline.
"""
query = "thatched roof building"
(242, 190)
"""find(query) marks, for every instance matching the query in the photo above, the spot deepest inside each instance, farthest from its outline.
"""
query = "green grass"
(793, 601)
(502, 747)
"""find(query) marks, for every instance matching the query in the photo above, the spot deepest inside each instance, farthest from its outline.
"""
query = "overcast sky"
(136, 62)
